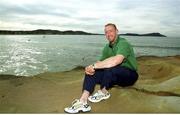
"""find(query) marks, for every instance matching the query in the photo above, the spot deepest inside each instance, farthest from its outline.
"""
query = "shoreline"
(156, 91)
(3, 76)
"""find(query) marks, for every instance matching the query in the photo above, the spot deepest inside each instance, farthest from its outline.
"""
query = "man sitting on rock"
(117, 66)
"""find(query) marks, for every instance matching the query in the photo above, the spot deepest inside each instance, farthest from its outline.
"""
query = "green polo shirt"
(122, 47)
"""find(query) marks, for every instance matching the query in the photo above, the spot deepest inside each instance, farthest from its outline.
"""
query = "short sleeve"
(123, 49)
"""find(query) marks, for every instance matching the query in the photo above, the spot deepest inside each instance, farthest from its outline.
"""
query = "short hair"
(111, 24)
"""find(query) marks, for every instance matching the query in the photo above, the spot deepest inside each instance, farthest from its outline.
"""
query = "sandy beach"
(156, 91)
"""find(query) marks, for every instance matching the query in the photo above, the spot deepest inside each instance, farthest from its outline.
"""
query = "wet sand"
(156, 91)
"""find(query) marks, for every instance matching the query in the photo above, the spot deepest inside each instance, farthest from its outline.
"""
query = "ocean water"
(29, 55)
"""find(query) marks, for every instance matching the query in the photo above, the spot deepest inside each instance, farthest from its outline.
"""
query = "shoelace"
(98, 95)
(75, 101)
(76, 105)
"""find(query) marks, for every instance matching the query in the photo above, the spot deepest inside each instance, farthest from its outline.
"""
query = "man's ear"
(117, 30)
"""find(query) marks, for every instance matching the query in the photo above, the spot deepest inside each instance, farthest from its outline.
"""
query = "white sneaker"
(98, 96)
(77, 107)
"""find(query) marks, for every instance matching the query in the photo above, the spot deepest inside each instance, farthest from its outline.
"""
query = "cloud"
(130, 15)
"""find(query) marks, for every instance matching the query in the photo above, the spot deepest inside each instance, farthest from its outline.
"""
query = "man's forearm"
(109, 62)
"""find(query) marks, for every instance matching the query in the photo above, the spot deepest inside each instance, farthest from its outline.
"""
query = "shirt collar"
(112, 45)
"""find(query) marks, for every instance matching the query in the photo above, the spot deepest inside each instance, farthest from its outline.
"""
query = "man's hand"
(89, 70)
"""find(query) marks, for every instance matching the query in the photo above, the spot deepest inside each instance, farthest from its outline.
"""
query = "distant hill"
(68, 32)
(148, 34)
(42, 31)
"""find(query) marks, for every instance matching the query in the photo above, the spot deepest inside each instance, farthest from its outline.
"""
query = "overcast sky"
(131, 16)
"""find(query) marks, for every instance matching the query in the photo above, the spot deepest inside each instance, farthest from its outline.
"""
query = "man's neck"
(113, 42)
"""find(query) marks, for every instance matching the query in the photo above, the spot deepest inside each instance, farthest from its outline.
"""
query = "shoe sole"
(79, 111)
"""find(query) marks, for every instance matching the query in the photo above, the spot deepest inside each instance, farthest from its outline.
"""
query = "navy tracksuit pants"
(109, 77)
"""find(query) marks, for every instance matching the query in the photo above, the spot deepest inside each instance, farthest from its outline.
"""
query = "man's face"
(111, 33)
